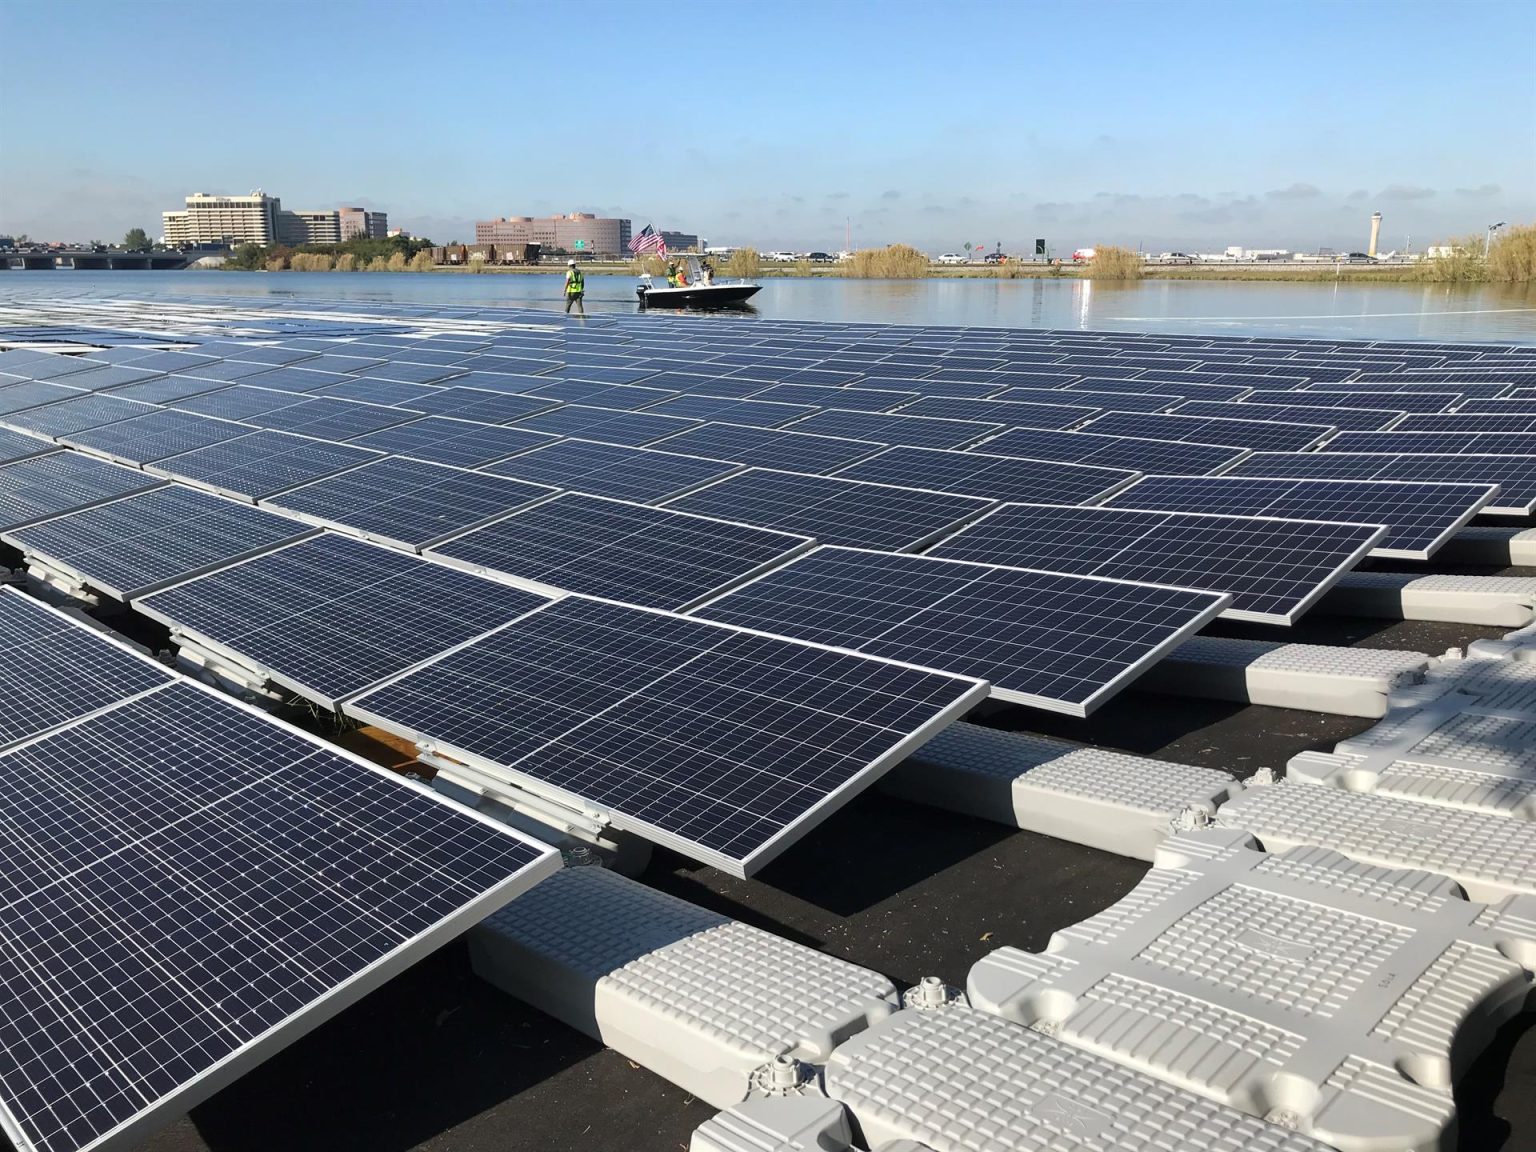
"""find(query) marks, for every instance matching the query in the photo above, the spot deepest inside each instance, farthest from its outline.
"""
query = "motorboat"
(702, 290)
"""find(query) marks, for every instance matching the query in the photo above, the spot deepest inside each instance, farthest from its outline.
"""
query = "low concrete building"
(579, 233)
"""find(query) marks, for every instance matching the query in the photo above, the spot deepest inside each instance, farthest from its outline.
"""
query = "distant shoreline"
(1289, 273)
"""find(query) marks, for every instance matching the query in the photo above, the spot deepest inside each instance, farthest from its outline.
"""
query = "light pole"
(1488, 239)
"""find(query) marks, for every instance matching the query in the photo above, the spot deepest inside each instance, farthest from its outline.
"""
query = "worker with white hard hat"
(575, 288)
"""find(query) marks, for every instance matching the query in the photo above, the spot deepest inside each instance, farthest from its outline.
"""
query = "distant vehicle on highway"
(1175, 258)
(819, 257)
(1083, 254)
(1359, 258)
(994, 258)
(951, 258)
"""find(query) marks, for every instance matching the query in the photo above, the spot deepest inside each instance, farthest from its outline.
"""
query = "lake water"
(1438, 312)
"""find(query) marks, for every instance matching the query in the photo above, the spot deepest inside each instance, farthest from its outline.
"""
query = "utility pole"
(1488, 239)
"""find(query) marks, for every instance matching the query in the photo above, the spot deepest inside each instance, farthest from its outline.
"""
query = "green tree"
(137, 240)
(247, 258)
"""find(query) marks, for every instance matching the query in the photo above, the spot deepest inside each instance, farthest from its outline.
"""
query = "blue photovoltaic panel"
(624, 397)
(1111, 451)
(52, 366)
(1061, 412)
(510, 383)
(653, 557)
(326, 418)
(157, 434)
(967, 389)
(787, 449)
(265, 354)
(609, 425)
(128, 547)
(305, 378)
(375, 391)
(909, 431)
(331, 615)
(229, 884)
(261, 464)
(167, 389)
(1106, 401)
(408, 502)
(1406, 384)
(1464, 421)
(640, 474)
(412, 373)
(581, 368)
(75, 415)
(461, 443)
(340, 359)
(1273, 569)
(1060, 642)
(239, 402)
(110, 376)
(734, 744)
(833, 511)
(227, 371)
(1390, 401)
(725, 410)
(1255, 434)
(169, 361)
(44, 486)
(843, 399)
(19, 446)
(1346, 419)
(1439, 443)
(1419, 517)
(1190, 390)
(20, 397)
(1509, 406)
(990, 477)
(57, 671)
(479, 404)
(1515, 475)
(708, 385)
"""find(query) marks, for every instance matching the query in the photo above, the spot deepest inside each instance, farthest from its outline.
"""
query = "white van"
(951, 258)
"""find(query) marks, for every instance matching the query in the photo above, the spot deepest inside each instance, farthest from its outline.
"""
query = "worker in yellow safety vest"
(575, 288)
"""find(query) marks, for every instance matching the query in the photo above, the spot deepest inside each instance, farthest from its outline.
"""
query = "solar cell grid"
(330, 615)
(34, 394)
(53, 366)
(183, 923)
(897, 429)
(111, 376)
(227, 371)
(644, 475)
(622, 551)
(1108, 401)
(1440, 443)
(260, 464)
(1274, 569)
(1059, 412)
(19, 446)
(1111, 451)
(407, 502)
(1419, 517)
(1506, 407)
(479, 404)
(1391, 401)
(611, 426)
(239, 402)
(832, 510)
(461, 443)
(788, 449)
(733, 744)
(724, 410)
(157, 434)
(389, 392)
(43, 486)
(1346, 419)
(854, 399)
(74, 415)
(411, 373)
(1515, 475)
(1231, 433)
(1059, 642)
(1464, 421)
(329, 418)
(990, 477)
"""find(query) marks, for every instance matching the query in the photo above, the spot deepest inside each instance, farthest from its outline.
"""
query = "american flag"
(648, 240)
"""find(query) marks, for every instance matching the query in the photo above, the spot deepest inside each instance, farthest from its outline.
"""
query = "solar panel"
(1390, 401)
(1061, 412)
(609, 425)
(618, 550)
(1440, 443)
(132, 546)
(461, 443)
(171, 361)
(261, 464)
(44, 486)
(19, 397)
(1059, 642)
(159, 433)
(991, 477)
(227, 370)
(909, 431)
(844, 399)
(56, 671)
(733, 744)
(1108, 401)
(326, 418)
(110, 376)
(772, 448)
(306, 378)
(479, 404)
(266, 354)
(238, 402)
(1508, 406)
(407, 502)
(19, 446)
(167, 389)
(228, 884)
(1190, 390)
(375, 391)
(52, 366)
(624, 397)
(725, 410)
(330, 615)
(74, 415)
(411, 373)
(1274, 569)
(1419, 517)
(1112, 451)
(1515, 475)
(643, 475)
(1345, 419)
(834, 511)
(1466, 421)
(1255, 434)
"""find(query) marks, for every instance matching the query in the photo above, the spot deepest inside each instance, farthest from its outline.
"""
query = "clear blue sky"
(1183, 124)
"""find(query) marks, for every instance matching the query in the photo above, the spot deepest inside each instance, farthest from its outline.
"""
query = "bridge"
(89, 259)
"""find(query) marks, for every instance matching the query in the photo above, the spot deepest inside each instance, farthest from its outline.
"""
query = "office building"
(680, 241)
(361, 222)
(262, 219)
(303, 227)
(578, 232)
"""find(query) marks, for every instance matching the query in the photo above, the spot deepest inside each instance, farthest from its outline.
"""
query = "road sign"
(581, 245)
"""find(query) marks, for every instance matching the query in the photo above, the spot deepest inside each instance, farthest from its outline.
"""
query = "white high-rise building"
(232, 220)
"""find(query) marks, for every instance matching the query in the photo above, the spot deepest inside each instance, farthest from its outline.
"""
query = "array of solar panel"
(239, 402)
(55, 672)
(128, 547)
(19, 446)
(481, 404)
(1463, 421)
(1111, 451)
(609, 425)
(1273, 569)
(261, 464)
(1061, 642)
(1327, 401)
(1106, 401)
(1419, 516)
(644, 475)
(832, 510)
(1254, 434)
(20, 397)
(992, 477)
(1059, 413)
(725, 410)
(330, 615)
(1439, 443)
(853, 399)
(227, 878)
(1345, 419)
(42, 486)
(408, 502)
(788, 448)
(733, 744)
(1515, 475)
(653, 557)
(445, 440)
(75, 414)
(897, 429)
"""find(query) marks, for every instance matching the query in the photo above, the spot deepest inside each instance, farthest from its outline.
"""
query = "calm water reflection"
(1345, 310)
